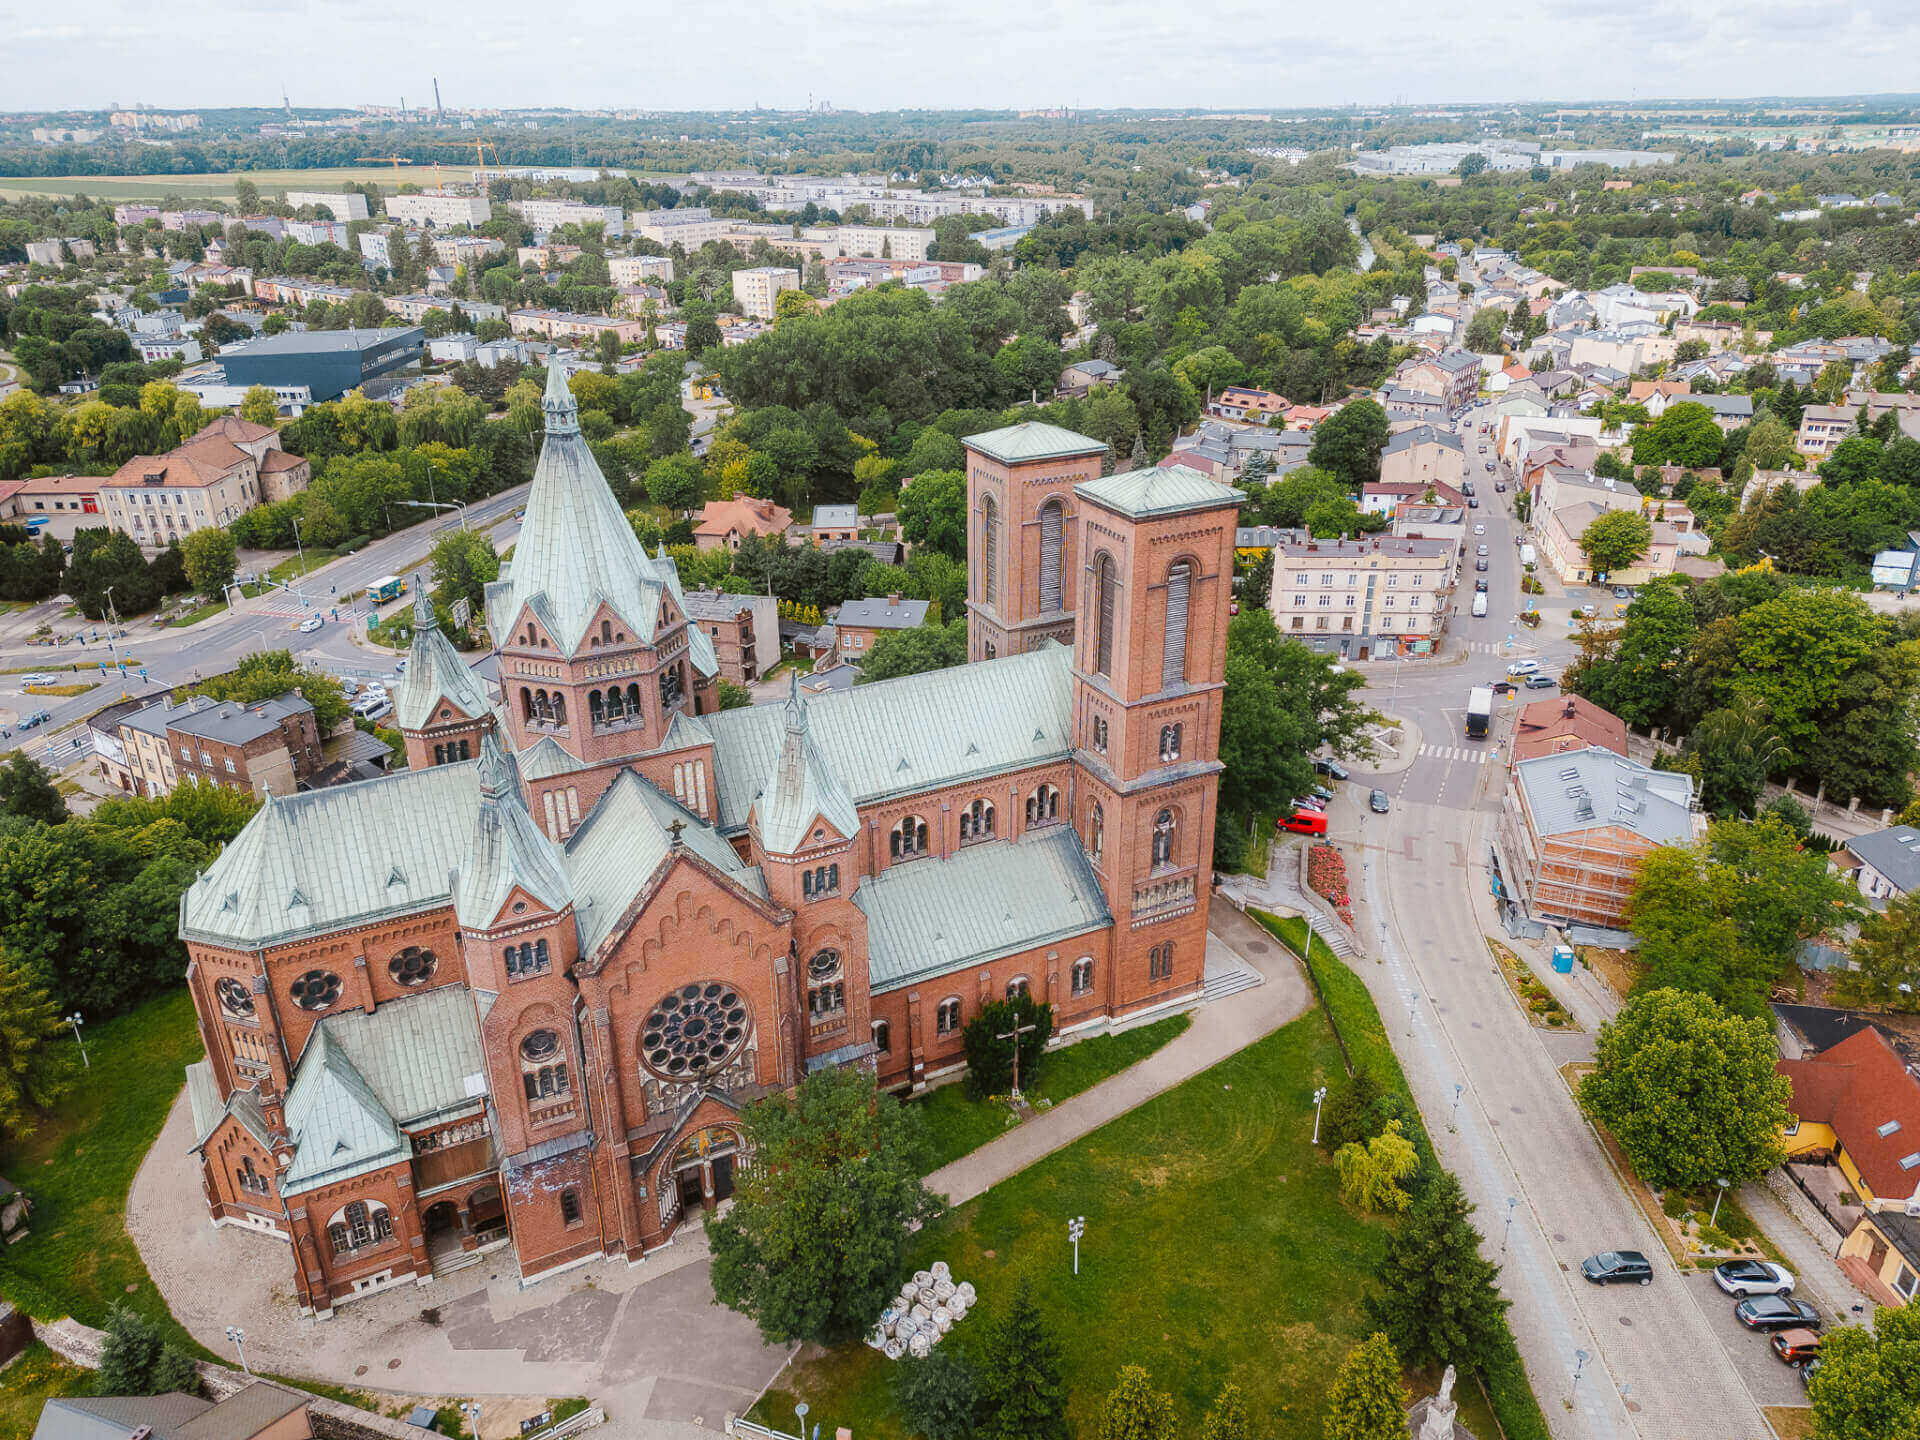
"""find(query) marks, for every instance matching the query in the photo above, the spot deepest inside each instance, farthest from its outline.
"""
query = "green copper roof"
(1033, 441)
(1160, 490)
(930, 916)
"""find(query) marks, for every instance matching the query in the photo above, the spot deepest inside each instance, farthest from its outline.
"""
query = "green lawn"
(36, 1377)
(958, 1124)
(79, 1164)
(1217, 1249)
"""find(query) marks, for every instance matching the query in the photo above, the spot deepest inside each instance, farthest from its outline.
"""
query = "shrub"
(990, 1058)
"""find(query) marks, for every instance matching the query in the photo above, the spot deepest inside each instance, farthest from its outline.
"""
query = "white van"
(1479, 604)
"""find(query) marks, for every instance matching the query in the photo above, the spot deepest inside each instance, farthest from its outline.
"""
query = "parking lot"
(1770, 1381)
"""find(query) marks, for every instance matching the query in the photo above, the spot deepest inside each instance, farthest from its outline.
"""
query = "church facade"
(519, 993)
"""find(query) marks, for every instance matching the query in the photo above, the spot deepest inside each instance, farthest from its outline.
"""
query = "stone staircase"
(1227, 976)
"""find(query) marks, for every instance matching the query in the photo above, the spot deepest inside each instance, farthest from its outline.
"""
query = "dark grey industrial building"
(327, 362)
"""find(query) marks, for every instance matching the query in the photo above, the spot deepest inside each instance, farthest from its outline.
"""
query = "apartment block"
(758, 290)
(1372, 596)
(439, 209)
(545, 215)
(344, 204)
(639, 269)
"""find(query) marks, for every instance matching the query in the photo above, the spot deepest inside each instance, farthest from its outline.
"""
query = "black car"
(1481, 563)
(1503, 687)
(1479, 587)
(1617, 1267)
(1472, 504)
(1377, 802)
(1776, 1312)
(1331, 767)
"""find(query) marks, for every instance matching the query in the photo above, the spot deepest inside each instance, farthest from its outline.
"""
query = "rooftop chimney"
(893, 599)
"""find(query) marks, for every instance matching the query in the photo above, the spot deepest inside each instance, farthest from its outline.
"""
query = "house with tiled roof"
(514, 999)
(1856, 1113)
(229, 466)
(728, 522)
(1570, 722)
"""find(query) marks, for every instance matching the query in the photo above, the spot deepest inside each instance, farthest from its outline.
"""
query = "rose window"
(235, 998)
(315, 990)
(412, 966)
(695, 1030)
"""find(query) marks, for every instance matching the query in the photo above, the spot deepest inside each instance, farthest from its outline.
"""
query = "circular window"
(540, 1045)
(823, 966)
(519, 907)
(234, 997)
(315, 990)
(694, 1030)
(412, 966)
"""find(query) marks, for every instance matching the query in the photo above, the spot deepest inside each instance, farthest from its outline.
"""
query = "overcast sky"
(885, 54)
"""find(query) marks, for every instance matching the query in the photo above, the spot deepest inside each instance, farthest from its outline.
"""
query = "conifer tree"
(33, 1073)
(1368, 1400)
(1020, 1382)
(1437, 1302)
(1135, 1410)
(1227, 1420)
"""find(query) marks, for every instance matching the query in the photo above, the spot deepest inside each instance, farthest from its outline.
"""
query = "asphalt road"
(176, 656)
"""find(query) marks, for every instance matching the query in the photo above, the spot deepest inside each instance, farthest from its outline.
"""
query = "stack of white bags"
(927, 1307)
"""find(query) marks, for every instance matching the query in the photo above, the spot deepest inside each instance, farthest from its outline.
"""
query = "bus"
(387, 587)
(1479, 711)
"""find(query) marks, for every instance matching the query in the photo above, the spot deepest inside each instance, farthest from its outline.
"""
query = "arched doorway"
(487, 1214)
(703, 1169)
(441, 1224)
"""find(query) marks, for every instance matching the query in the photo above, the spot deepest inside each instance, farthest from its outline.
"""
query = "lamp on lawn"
(1319, 1097)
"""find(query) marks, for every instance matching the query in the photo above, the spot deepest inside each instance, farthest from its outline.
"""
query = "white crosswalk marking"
(1457, 752)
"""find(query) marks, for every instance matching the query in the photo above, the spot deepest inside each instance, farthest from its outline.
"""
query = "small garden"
(1544, 1011)
(1327, 878)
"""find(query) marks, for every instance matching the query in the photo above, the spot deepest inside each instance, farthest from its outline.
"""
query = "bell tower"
(1021, 515)
(1154, 588)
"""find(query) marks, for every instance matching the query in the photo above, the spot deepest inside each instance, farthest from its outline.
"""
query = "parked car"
(1798, 1348)
(1541, 682)
(1617, 1267)
(311, 624)
(1480, 550)
(1588, 611)
(1523, 667)
(39, 677)
(1308, 802)
(349, 686)
(1776, 1312)
(1480, 563)
(1808, 1371)
(1321, 793)
(1479, 529)
(1303, 822)
(1503, 687)
(1620, 592)
(1377, 802)
(1501, 486)
(372, 707)
(1466, 487)
(1479, 587)
(1489, 467)
(1330, 767)
(1753, 1277)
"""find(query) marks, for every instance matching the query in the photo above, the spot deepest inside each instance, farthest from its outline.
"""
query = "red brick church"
(520, 992)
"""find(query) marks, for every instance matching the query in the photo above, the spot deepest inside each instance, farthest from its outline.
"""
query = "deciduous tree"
(913, 652)
(1868, 1383)
(1689, 1090)
(1886, 958)
(1348, 443)
(208, 555)
(816, 1239)
(933, 512)
(27, 790)
(1615, 540)
(1372, 1171)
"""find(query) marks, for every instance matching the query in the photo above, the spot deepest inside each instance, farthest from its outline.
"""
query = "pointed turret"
(509, 853)
(563, 412)
(803, 789)
(437, 680)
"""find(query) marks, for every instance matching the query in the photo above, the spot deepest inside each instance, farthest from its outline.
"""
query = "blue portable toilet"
(1563, 959)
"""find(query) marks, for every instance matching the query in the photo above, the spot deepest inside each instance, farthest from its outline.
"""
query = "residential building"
(1571, 722)
(415, 308)
(588, 948)
(317, 232)
(1384, 497)
(227, 468)
(1855, 1143)
(438, 208)
(758, 289)
(343, 204)
(286, 290)
(1244, 402)
(1080, 377)
(560, 325)
(1822, 428)
(1574, 827)
(259, 1410)
(1453, 375)
(1762, 481)
(743, 629)
(639, 269)
(326, 363)
(1560, 543)
(860, 623)
(1424, 456)
(688, 226)
(55, 495)
(728, 522)
(884, 242)
(834, 523)
(1883, 864)
(1406, 408)
(267, 748)
(453, 349)
(1363, 597)
(549, 215)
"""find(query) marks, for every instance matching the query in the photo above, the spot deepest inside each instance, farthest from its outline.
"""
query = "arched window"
(559, 708)
(528, 958)
(606, 632)
(828, 1001)
(526, 703)
(1106, 599)
(542, 1068)
(1083, 975)
(1163, 838)
(1160, 963)
(670, 687)
(820, 881)
(1052, 538)
(1100, 734)
(466, 750)
(976, 821)
(1043, 805)
(597, 707)
(882, 1038)
(250, 1179)
(1170, 738)
(633, 699)
(1173, 658)
(947, 1017)
(1096, 833)
(909, 838)
(570, 1207)
(1019, 985)
(989, 548)
(358, 1225)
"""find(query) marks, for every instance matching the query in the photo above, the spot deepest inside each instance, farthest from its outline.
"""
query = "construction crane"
(394, 160)
(480, 149)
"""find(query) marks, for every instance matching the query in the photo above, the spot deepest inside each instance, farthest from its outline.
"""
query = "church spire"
(422, 606)
(563, 415)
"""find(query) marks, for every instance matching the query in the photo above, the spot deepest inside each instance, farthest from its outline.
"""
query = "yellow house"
(1857, 1106)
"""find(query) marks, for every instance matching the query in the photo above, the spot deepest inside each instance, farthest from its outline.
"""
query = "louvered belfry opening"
(1052, 536)
(1173, 664)
(1108, 585)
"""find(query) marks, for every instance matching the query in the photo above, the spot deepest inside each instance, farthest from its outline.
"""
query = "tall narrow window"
(947, 1018)
(1107, 591)
(989, 548)
(1052, 532)
(1163, 838)
(569, 1207)
(1173, 660)
(1096, 833)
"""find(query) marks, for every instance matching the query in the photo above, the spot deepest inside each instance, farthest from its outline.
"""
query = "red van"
(1303, 822)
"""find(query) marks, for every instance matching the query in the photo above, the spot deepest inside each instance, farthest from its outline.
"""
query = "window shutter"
(1050, 543)
(1173, 662)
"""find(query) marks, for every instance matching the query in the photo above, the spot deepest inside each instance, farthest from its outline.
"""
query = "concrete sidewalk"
(1217, 1032)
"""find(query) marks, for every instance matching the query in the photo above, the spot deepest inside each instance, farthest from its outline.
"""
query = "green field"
(1217, 1249)
(220, 187)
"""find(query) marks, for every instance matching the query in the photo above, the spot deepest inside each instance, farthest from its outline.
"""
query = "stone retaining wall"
(1806, 1212)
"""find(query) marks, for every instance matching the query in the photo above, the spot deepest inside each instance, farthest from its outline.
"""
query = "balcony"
(1161, 899)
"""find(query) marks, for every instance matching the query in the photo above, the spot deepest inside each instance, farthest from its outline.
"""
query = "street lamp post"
(1714, 1219)
(300, 545)
(1512, 1202)
(1319, 1096)
(239, 1339)
(470, 1411)
(1076, 1227)
(800, 1410)
(1455, 1122)
(459, 505)
(113, 615)
(1580, 1358)
(75, 1021)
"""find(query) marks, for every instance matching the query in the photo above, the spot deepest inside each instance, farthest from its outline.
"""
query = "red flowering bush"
(1327, 877)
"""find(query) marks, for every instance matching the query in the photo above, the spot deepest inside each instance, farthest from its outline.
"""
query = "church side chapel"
(519, 993)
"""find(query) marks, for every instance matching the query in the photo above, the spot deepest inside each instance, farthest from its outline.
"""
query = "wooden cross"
(1014, 1035)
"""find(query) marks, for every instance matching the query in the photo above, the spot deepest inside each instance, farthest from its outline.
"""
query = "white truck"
(1479, 711)
(1479, 604)
(1527, 557)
